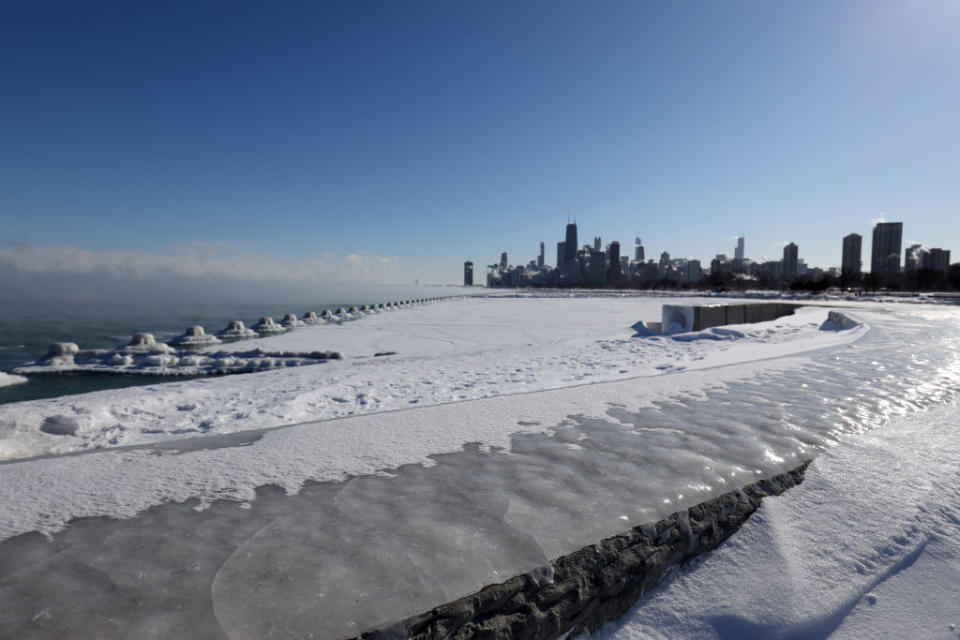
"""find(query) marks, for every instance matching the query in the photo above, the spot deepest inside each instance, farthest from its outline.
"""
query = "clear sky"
(397, 139)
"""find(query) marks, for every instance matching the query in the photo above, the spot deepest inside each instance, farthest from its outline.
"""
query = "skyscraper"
(571, 268)
(503, 260)
(885, 255)
(852, 263)
(613, 275)
(561, 254)
(638, 251)
(541, 259)
(789, 262)
(738, 252)
(597, 243)
(468, 274)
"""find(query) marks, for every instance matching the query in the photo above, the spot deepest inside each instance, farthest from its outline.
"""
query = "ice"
(310, 317)
(336, 526)
(351, 523)
(7, 379)
(266, 325)
(290, 321)
(235, 330)
(460, 350)
(195, 336)
(143, 343)
(867, 546)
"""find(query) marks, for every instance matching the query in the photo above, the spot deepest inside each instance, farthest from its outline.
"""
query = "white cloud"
(780, 243)
(201, 261)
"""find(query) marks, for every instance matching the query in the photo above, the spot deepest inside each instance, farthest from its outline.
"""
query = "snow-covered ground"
(448, 352)
(334, 526)
(867, 547)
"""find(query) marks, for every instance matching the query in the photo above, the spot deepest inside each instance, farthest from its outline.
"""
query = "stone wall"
(596, 584)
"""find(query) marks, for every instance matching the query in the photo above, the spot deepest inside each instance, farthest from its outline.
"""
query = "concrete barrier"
(698, 317)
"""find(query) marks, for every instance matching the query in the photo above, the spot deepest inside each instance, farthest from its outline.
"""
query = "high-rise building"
(561, 254)
(789, 269)
(597, 271)
(597, 243)
(503, 260)
(885, 254)
(571, 269)
(852, 263)
(468, 274)
(638, 251)
(694, 271)
(938, 260)
(738, 252)
(913, 258)
(613, 275)
(541, 259)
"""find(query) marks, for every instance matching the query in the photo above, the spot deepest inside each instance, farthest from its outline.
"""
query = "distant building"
(561, 254)
(913, 258)
(638, 251)
(503, 261)
(597, 271)
(937, 259)
(738, 252)
(789, 266)
(468, 274)
(541, 259)
(597, 243)
(694, 271)
(885, 254)
(851, 264)
(614, 274)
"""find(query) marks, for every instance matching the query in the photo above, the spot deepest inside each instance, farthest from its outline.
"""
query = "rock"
(59, 425)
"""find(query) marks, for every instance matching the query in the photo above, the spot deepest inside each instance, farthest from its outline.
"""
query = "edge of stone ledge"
(599, 583)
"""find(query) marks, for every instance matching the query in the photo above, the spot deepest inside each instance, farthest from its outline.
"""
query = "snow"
(867, 546)
(458, 350)
(7, 379)
(334, 526)
(235, 330)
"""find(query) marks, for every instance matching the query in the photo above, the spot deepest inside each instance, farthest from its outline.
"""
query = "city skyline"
(404, 138)
(597, 264)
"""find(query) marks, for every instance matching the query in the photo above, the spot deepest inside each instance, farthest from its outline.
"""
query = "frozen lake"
(327, 529)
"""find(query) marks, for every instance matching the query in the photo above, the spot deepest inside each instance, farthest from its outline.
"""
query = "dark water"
(27, 330)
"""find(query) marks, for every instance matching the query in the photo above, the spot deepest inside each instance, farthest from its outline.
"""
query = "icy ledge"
(597, 584)
(7, 379)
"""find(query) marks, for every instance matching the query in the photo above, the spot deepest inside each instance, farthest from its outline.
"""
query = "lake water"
(27, 330)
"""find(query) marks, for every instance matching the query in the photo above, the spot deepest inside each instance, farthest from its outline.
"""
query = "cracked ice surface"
(393, 515)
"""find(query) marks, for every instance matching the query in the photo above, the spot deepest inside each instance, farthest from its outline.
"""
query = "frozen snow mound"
(326, 314)
(341, 313)
(290, 321)
(838, 321)
(8, 379)
(311, 318)
(195, 336)
(267, 325)
(143, 343)
(235, 331)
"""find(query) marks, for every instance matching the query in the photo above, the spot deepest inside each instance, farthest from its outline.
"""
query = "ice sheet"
(458, 350)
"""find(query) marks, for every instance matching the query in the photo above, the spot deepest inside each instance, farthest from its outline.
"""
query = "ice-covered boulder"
(195, 336)
(341, 312)
(236, 330)
(267, 325)
(311, 318)
(62, 349)
(144, 343)
(354, 310)
(326, 314)
(290, 321)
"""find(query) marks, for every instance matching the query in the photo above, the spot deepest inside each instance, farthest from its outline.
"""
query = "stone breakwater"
(595, 585)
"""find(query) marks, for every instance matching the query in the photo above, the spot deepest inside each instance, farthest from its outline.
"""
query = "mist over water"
(35, 314)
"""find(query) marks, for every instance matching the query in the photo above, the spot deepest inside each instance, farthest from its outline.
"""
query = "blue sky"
(415, 135)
